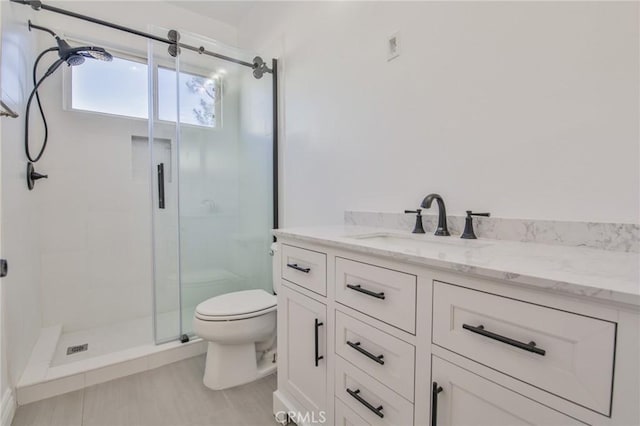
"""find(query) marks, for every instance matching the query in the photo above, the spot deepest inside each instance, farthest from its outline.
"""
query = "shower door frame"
(153, 118)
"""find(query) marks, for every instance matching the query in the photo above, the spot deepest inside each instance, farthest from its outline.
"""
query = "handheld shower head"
(76, 55)
(72, 56)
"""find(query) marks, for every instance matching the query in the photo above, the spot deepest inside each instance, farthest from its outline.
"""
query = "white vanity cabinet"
(302, 326)
(366, 339)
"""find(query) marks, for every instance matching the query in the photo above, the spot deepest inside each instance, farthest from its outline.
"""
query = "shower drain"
(77, 348)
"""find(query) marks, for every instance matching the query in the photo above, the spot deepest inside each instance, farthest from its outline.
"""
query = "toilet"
(241, 330)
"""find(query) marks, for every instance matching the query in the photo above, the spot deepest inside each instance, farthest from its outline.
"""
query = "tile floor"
(172, 395)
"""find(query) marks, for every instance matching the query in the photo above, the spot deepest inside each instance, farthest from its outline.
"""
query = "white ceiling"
(229, 12)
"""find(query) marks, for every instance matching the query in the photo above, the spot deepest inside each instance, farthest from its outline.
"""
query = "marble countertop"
(599, 274)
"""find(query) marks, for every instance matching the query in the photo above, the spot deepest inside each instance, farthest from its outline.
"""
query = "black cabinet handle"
(357, 347)
(530, 347)
(376, 410)
(4, 268)
(317, 357)
(161, 185)
(359, 288)
(434, 403)
(298, 268)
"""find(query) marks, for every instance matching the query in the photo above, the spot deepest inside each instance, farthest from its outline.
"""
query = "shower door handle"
(161, 185)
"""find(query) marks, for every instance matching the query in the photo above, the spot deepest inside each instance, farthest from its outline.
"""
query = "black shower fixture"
(33, 176)
(72, 56)
(260, 67)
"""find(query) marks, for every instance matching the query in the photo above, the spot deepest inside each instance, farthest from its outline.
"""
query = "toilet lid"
(236, 303)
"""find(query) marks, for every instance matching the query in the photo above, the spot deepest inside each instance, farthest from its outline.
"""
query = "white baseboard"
(8, 408)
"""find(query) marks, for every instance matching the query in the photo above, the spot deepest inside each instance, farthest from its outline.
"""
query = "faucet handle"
(470, 213)
(468, 233)
(417, 229)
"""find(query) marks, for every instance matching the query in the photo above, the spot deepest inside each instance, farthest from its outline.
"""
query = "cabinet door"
(302, 367)
(467, 399)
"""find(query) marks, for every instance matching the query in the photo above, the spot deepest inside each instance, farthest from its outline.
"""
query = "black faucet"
(442, 213)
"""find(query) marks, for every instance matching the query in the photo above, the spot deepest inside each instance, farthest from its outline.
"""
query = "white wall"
(20, 213)
(523, 109)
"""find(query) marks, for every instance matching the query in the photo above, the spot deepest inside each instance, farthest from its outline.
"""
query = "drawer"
(387, 358)
(384, 294)
(345, 416)
(306, 268)
(572, 355)
(371, 400)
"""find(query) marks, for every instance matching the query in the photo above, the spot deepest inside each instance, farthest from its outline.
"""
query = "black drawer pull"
(361, 400)
(4, 268)
(318, 357)
(298, 268)
(434, 403)
(357, 347)
(358, 288)
(530, 347)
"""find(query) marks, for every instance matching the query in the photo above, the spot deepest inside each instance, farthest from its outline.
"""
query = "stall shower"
(160, 192)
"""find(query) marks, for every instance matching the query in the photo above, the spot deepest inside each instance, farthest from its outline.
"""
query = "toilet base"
(233, 365)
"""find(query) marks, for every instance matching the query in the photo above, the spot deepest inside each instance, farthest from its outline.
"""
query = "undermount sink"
(410, 241)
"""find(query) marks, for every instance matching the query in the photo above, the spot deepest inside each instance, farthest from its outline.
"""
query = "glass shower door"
(212, 180)
(225, 176)
(164, 152)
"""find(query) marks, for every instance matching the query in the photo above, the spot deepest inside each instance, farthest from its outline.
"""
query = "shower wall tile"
(96, 235)
(64, 285)
(64, 226)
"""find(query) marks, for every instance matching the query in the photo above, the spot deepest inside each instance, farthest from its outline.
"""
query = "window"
(120, 88)
(197, 98)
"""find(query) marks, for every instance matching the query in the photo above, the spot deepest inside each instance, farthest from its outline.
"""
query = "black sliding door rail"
(38, 5)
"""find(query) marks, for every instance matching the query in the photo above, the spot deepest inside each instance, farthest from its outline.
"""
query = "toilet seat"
(236, 306)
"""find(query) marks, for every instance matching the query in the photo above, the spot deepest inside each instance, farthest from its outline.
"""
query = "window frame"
(67, 88)
(191, 70)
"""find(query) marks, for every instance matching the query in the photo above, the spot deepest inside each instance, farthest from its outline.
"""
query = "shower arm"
(38, 27)
(173, 42)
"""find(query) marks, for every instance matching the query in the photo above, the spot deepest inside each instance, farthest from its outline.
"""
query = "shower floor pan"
(113, 351)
